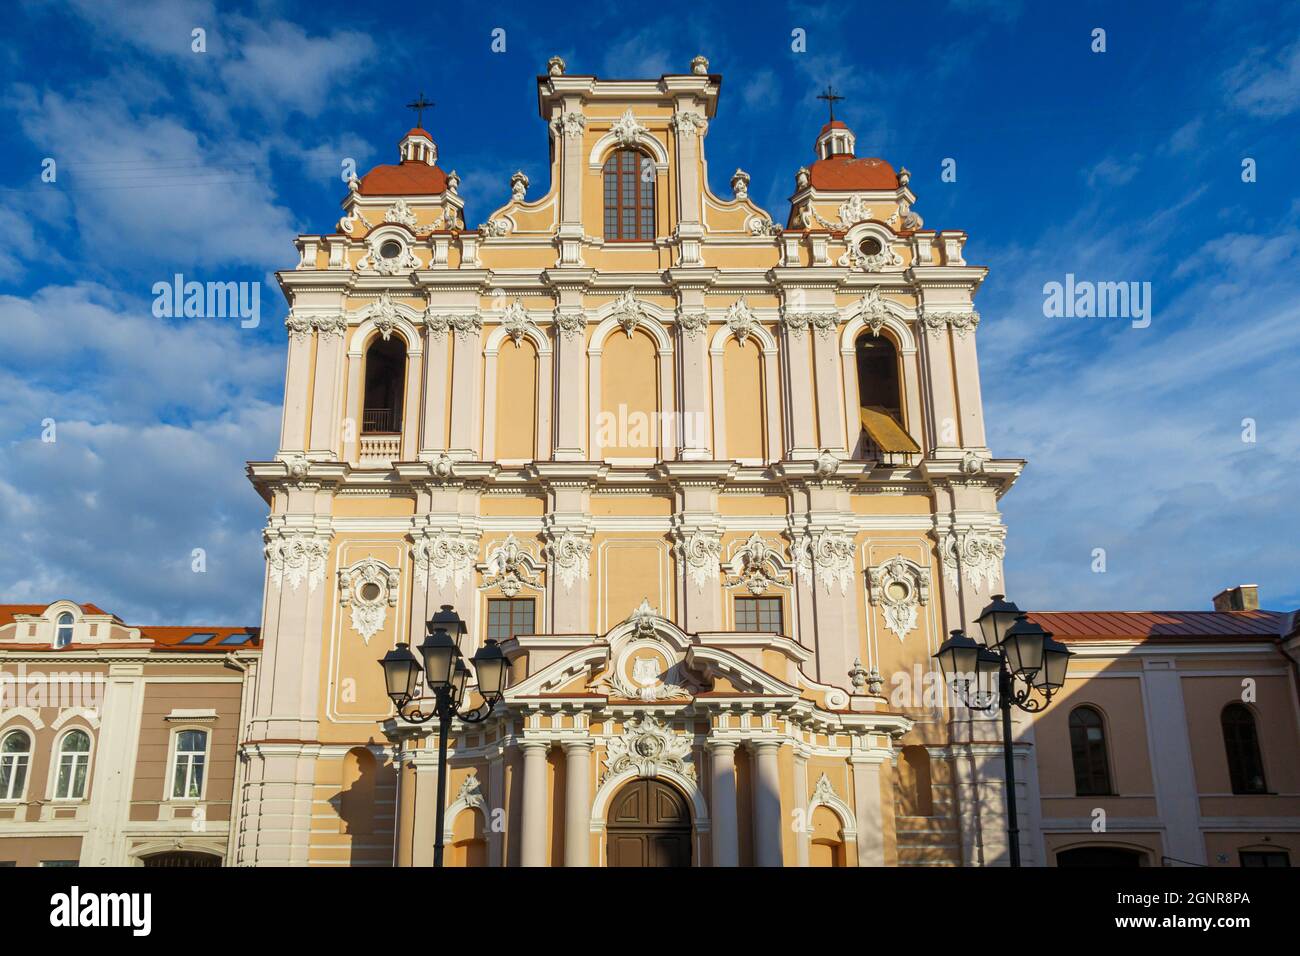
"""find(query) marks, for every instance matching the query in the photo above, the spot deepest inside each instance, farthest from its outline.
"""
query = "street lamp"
(1030, 666)
(444, 678)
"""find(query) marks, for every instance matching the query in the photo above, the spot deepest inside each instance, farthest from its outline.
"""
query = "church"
(715, 480)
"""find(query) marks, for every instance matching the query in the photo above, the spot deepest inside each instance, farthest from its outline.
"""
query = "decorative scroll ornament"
(330, 325)
(645, 673)
(375, 260)
(688, 122)
(796, 323)
(516, 322)
(824, 792)
(569, 125)
(756, 566)
(511, 568)
(977, 555)
(627, 130)
(464, 325)
(860, 261)
(763, 226)
(700, 551)
(643, 619)
(299, 326)
(827, 553)
(384, 315)
(571, 324)
(691, 325)
(826, 465)
(872, 311)
(401, 212)
(296, 556)
(899, 587)
(445, 557)
(741, 321)
(470, 793)
(495, 228)
(647, 746)
(369, 587)
(354, 216)
(628, 312)
(571, 555)
(962, 323)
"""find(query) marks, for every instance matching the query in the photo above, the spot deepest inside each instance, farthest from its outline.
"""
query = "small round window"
(390, 249)
(870, 246)
(370, 591)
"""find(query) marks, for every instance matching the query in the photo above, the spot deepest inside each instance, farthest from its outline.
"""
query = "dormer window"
(629, 196)
(63, 630)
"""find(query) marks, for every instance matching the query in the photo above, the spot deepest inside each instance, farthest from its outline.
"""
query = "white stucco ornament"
(899, 587)
(445, 557)
(645, 747)
(369, 588)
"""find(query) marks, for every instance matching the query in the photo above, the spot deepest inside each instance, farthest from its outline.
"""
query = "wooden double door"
(649, 825)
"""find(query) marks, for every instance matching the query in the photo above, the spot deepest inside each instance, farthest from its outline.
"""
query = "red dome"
(833, 124)
(412, 178)
(844, 173)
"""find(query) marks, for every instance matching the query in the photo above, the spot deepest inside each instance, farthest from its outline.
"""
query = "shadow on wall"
(355, 802)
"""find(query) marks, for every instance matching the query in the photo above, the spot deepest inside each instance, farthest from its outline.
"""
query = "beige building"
(118, 744)
(717, 477)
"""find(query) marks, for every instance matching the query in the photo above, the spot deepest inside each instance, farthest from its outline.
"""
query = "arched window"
(15, 757)
(187, 765)
(74, 764)
(629, 196)
(1241, 740)
(1088, 750)
(914, 782)
(63, 630)
(385, 382)
(881, 399)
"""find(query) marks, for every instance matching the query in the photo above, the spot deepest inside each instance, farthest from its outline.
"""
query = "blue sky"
(1117, 166)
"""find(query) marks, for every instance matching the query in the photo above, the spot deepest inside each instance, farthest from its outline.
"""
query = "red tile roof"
(411, 178)
(169, 637)
(842, 173)
(9, 611)
(418, 131)
(1148, 625)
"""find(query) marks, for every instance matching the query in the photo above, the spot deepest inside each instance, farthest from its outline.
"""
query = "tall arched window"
(1088, 750)
(385, 383)
(1241, 740)
(629, 196)
(15, 757)
(187, 769)
(74, 764)
(881, 399)
(63, 630)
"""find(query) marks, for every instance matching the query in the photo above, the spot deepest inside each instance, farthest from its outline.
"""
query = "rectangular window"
(508, 617)
(187, 775)
(1265, 858)
(58, 863)
(759, 614)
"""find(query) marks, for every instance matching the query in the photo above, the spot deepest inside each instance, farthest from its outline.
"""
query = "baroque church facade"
(715, 477)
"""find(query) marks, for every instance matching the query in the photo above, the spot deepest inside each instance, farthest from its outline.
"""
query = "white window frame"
(13, 758)
(57, 762)
(59, 626)
(173, 755)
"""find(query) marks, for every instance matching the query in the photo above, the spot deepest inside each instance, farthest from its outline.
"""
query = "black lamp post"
(445, 676)
(1030, 667)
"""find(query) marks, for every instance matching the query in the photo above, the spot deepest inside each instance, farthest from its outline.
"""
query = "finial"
(555, 66)
(420, 105)
(831, 98)
(700, 66)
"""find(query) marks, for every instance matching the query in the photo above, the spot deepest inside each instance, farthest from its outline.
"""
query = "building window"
(629, 196)
(1265, 858)
(878, 376)
(15, 757)
(187, 768)
(1241, 740)
(59, 863)
(74, 762)
(1088, 749)
(510, 616)
(63, 630)
(759, 614)
(385, 381)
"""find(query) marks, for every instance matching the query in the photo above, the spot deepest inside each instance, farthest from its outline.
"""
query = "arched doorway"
(649, 825)
(1116, 856)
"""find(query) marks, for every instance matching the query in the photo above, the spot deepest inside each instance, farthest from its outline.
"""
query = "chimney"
(1244, 597)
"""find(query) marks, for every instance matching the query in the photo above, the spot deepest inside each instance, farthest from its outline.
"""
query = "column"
(577, 802)
(867, 808)
(293, 430)
(722, 792)
(115, 752)
(533, 844)
(767, 803)
(1172, 771)
(326, 432)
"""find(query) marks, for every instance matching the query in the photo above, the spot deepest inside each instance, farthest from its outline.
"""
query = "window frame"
(756, 600)
(56, 765)
(59, 643)
(640, 204)
(26, 758)
(520, 601)
(1108, 777)
(1278, 853)
(1258, 755)
(174, 755)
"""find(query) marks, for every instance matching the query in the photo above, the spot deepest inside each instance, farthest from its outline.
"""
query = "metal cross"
(831, 97)
(420, 105)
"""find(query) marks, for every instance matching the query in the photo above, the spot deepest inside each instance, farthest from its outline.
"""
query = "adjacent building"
(118, 744)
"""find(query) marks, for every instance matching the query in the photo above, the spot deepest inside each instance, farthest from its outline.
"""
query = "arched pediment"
(385, 316)
(629, 314)
(628, 133)
(875, 312)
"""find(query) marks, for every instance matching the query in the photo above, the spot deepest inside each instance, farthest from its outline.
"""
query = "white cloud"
(1264, 86)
